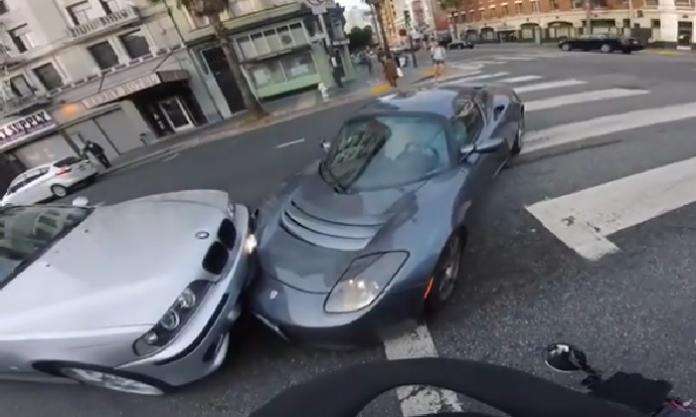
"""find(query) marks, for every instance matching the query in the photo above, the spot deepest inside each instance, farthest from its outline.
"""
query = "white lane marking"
(289, 143)
(520, 79)
(476, 78)
(582, 220)
(170, 157)
(588, 96)
(600, 126)
(549, 85)
(416, 400)
(513, 58)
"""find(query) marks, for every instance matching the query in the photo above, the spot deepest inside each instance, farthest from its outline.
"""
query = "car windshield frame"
(8, 214)
(333, 180)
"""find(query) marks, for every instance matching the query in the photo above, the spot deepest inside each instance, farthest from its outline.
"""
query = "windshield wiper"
(330, 178)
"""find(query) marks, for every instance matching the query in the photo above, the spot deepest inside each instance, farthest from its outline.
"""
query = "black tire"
(517, 145)
(566, 47)
(626, 52)
(446, 272)
(63, 369)
(59, 191)
(471, 46)
(606, 48)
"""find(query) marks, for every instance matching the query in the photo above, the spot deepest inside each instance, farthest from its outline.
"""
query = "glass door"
(177, 114)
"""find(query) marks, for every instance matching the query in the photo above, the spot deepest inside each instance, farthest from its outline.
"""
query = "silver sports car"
(364, 242)
(136, 297)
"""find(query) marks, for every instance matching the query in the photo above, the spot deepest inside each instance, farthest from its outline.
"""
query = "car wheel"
(626, 51)
(517, 145)
(112, 380)
(446, 273)
(566, 47)
(471, 46)
(59, 191)
(606, 48)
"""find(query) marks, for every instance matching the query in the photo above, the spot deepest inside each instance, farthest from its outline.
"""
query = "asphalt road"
(522, 288)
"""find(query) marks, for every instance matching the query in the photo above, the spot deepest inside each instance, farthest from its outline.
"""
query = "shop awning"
(133, 86)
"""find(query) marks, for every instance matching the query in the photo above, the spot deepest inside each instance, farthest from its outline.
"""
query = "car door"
(468, 129)
(36, 188)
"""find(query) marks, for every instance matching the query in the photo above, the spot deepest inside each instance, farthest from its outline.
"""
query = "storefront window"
(135, 44)
(273, 40)
(260, 44)
(267, 73)
(298, 65)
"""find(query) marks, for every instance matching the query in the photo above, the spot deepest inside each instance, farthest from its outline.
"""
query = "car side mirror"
(325, 145)
(487, 146)
(563, 357)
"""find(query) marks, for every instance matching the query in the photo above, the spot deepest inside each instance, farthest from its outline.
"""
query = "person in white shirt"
(438, 53)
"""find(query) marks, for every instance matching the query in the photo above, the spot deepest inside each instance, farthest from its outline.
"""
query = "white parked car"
(54, 180)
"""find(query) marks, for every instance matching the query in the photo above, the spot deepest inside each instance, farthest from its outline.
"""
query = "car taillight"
(64, 170)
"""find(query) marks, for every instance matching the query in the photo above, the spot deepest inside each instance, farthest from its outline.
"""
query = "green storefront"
(287, 48)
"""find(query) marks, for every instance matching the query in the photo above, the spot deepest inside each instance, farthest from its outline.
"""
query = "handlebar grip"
(346, 392)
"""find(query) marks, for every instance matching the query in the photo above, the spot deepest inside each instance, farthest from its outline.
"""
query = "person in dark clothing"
(98, 152)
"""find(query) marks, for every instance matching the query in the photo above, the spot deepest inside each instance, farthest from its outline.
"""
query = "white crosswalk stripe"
(584, 97)
(521, 79)
(549, 85)
(604, 125)
(475, 78)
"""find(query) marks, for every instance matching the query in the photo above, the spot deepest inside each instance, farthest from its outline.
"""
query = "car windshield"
(385, 151)
(25, 232)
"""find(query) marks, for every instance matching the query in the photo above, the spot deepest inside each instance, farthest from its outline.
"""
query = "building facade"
(125, 73)
(668, 23)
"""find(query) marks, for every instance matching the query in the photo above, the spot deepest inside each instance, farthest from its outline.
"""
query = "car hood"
(316, 232)
(124, 265)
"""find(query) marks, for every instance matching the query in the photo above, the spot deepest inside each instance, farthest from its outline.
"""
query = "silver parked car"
(136, 297)
(52, 180)
(358, 246)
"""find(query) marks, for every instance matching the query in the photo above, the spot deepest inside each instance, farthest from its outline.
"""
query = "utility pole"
(588, 17)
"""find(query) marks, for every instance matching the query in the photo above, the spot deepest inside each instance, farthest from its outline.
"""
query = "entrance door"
(176, 113)
(223, 75)
(684, 34)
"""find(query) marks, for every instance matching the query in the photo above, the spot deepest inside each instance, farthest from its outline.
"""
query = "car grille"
(324, 233)
(216, 258)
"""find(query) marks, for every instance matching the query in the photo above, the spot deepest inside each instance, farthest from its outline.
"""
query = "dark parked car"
(460, 45)
(361, 244)
(605, 44)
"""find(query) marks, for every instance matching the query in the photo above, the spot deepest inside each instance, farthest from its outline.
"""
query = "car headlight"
(173, 319)
(363, 281)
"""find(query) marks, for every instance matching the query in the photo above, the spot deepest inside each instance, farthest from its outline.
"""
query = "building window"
(21, 37)
(655, 23)
(20, 87)
(555, 5)
(135, 44)
(535, 6)
(109, 6)
(79, 12)
(504, 10)
(103, 55)
(273, 40)
(282, 70)
(599, 4)
(651, 3)
(49, 76)
(578, 4)
(518, 8)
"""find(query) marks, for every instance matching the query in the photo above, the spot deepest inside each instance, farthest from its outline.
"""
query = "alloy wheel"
(59, 191)
(110, 381)
(606, 48)
(449, 271)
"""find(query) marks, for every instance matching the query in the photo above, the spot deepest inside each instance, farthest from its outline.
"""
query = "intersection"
(594, 122)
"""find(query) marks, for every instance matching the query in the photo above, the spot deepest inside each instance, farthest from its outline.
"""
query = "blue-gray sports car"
(365, 241)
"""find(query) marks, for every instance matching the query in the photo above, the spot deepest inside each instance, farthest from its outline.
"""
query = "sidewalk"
(365, 85)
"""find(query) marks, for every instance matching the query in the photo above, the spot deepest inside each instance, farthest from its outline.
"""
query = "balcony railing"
(103, 24)
(684, 4)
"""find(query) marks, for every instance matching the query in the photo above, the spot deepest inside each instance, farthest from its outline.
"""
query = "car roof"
(437, 101)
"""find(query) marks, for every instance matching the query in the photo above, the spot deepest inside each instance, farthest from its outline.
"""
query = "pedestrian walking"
(391, 72)
(97, 152)
(438, 54)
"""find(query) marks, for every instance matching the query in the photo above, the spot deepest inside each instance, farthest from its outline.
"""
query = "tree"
(212, 10)
(360, 38)
(377, 5)
(451, 6)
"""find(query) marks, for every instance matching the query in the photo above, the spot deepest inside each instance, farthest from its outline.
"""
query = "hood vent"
(326, 233)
